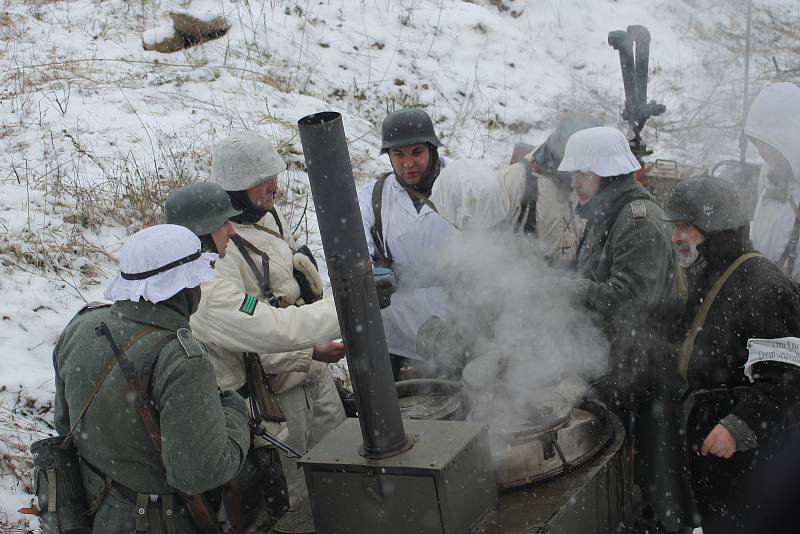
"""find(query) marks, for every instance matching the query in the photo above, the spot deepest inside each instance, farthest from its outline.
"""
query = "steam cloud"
(517, 316)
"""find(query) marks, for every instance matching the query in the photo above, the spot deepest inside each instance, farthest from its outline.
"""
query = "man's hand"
(330, 352)
(719, 442)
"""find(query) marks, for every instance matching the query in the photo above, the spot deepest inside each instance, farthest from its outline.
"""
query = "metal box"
(443, 484)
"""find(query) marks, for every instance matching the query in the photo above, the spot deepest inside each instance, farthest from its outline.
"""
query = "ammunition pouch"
(263, 401)
(59, 487)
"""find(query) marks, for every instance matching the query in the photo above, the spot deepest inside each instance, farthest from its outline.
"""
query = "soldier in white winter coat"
(262, 315)
(403, 230)
(773, 126)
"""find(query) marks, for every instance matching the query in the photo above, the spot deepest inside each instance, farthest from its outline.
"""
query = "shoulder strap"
(270, 231)
(422, 198)
(376, 231)
(261, 275)
(609, 226)
(527, 216)
(145, 408)
(110, 364)
(687, 347)
(274, 213)
(199, 509)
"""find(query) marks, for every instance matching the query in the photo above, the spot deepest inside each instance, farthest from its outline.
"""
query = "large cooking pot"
(432, 399)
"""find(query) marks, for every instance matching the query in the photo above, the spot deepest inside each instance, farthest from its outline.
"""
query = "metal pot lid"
(516, 412)
(430, 399)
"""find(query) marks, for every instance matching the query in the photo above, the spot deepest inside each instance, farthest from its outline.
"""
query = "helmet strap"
(207, 244)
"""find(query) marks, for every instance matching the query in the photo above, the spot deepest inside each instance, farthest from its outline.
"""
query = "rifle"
(633, 46)
(257, 430)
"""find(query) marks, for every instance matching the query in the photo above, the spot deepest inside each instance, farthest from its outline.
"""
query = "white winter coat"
(774, 118)
(469, 195)
(283, 337)
(414, 239)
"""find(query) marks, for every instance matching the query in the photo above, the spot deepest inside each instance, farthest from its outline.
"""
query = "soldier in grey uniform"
(130, 485)
(626, 267)
(625, 259)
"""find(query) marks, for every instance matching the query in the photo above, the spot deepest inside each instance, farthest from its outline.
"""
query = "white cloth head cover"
(774, 118)
(154, 247)
(245, 160)
(469, 195)
(602, 151)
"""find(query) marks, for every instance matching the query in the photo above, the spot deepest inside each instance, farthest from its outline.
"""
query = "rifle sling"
(198, 508)
(110, 364)
(687, 347)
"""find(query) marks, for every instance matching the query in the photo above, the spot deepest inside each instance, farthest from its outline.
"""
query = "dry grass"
(22, 421)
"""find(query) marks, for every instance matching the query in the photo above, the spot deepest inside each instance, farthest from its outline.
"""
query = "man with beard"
(773, 126)
(740, 415)
(403, 230)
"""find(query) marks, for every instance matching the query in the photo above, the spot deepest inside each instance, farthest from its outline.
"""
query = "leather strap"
(263, 275)
(199, 509)
(385, 255)
(687, 347)
(104, 374)
(527, 216)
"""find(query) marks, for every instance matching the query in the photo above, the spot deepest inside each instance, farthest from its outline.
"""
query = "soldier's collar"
(159, 315)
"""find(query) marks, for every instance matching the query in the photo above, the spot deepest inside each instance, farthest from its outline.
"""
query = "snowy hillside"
(95, 130)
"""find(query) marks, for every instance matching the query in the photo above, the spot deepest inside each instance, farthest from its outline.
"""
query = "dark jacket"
(204, 438)
(758, 301)
(628, 264)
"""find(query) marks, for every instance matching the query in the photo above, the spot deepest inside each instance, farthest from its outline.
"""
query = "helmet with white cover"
(603, 151)
(245, 160)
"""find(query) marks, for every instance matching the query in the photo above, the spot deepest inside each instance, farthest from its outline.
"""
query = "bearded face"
(685, 238)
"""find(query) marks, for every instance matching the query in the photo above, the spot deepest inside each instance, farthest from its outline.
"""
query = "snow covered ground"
(95, 130)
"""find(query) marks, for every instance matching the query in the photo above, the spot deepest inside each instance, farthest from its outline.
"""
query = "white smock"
(774, 119)
(470, 196)
(414, 241)
(153, 248)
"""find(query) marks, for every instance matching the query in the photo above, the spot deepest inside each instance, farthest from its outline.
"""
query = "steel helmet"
(708, 203)
(407, 127)
(202, 207)
(245, 160)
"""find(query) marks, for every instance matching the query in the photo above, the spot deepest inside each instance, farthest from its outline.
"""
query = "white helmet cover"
(774, 118)
(245, 160)
(157, 262)
(602, 151)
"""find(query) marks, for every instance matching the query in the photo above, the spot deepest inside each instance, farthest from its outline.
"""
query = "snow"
(87, 116)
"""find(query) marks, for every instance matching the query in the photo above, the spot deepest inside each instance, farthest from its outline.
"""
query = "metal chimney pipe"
(350, 268)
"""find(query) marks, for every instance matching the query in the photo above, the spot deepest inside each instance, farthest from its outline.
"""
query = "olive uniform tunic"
(628, 265)
(204, 436)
